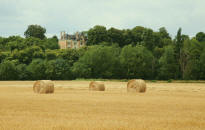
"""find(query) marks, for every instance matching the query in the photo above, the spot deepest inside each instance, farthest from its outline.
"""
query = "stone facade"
(72, 41)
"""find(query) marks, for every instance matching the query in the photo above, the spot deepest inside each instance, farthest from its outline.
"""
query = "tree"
(23, 74)
(82, 70)
(28, 54)
(200, 37)
(148, 39)
(179, 40)
(55, 38)
(37, 69)
(58, 69)
(184, 57)
(137, 62)
(168, 64)
(31, 41)
(163, 33)
(97, 35)
(51, 43)
(35, 31)
(98, 62)
(8, 70)
(70, 55)
(202, 65)
(143, 36)
(127, 35)
(115, 36)
(50, 55)
(2, 56)
(194, 53)
(162, 38)
(15, 45)
(178, 43)
(136, 35)
(11, 43)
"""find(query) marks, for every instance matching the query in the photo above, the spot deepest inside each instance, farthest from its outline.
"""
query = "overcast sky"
(80, 15)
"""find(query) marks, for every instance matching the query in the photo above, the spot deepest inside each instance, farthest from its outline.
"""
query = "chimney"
(61, 36)
(64, 36)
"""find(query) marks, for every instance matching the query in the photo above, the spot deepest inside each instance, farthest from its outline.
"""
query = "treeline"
(111, 54)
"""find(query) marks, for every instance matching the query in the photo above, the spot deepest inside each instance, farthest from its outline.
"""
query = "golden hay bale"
(136, 85)
(43, 86)
(96, 86)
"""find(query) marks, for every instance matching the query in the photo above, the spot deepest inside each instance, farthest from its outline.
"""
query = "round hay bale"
(136, 85)
(43, 86)
(96, 86)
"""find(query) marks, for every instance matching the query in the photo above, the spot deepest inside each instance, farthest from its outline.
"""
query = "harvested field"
(164, 106)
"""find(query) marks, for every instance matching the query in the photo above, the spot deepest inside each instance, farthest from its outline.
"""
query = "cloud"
(78, 15)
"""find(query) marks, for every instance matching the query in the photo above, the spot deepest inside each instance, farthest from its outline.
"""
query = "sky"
(80, 15)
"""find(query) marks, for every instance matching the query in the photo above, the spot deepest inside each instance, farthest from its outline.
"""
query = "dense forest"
(110, 54)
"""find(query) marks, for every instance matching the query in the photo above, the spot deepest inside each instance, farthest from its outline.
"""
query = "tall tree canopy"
(200, 37)
(97, 35)
(35, 31)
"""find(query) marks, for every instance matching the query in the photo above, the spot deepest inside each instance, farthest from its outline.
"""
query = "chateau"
(72, 41)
